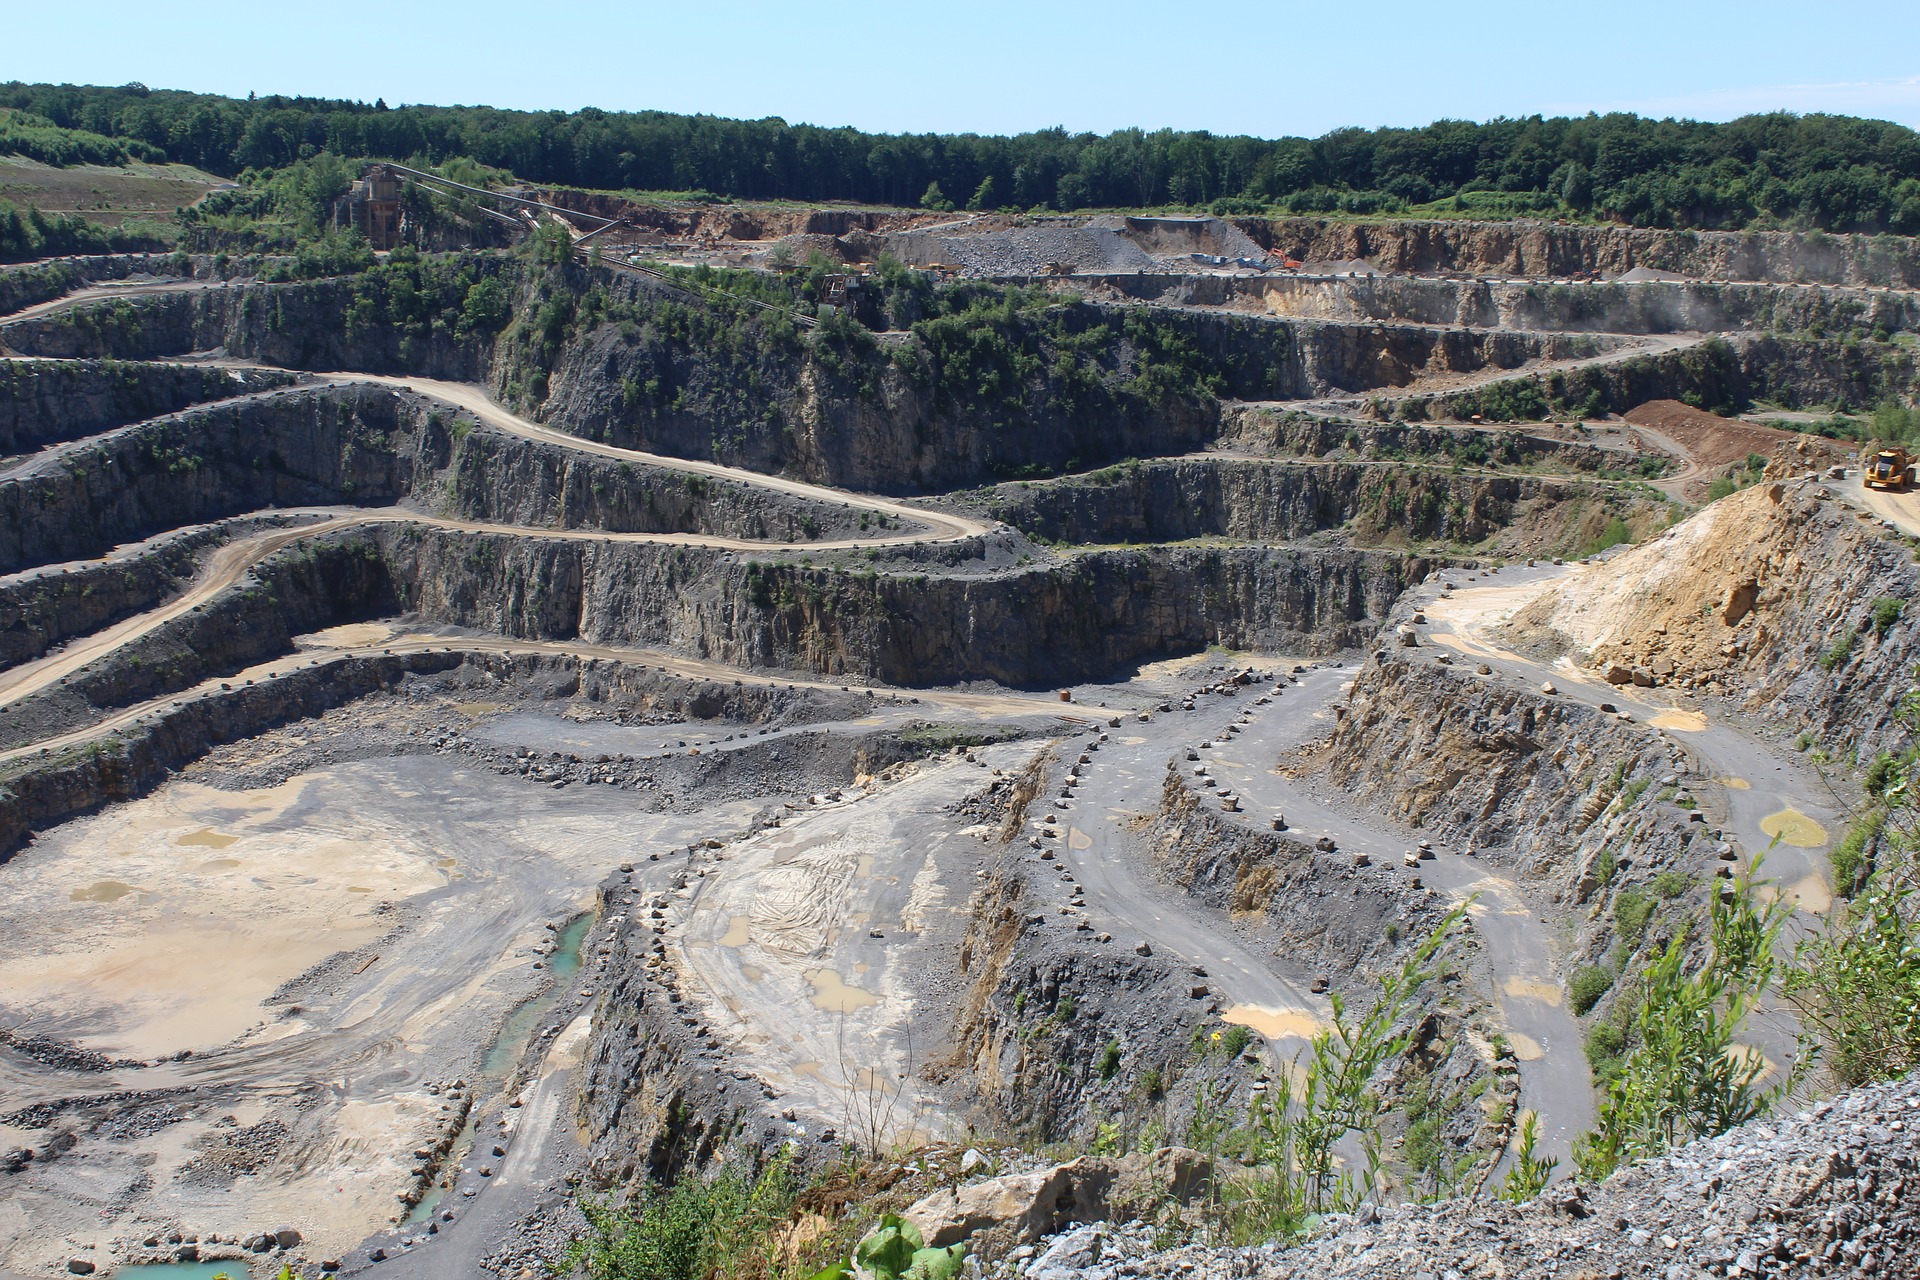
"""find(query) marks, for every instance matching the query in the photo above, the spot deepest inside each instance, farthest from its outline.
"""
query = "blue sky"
(994, 66)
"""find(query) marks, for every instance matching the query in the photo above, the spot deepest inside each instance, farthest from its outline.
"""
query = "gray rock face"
(1045, 624)
(44, 402)
(1262, 501)
(1527, 247)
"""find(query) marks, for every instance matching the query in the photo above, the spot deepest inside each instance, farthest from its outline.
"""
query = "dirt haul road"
(944, 527)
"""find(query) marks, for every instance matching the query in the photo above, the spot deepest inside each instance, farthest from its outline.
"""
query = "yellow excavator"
(1888, 468)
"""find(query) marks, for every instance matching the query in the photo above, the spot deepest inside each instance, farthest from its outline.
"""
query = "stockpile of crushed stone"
(1023, 250)
(1834, 1190)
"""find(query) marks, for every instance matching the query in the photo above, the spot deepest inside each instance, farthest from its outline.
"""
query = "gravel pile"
(1832, 1191)
(1024, 250)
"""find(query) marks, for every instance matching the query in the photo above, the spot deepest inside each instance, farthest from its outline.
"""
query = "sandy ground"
(329, 951)
(812, 943)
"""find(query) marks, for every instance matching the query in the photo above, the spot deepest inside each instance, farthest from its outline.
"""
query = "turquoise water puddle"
(504, 1053)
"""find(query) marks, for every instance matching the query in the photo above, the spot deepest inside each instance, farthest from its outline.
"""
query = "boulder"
(286, 1237)
(79, 1267)
(1619, 674)
(999, 1213)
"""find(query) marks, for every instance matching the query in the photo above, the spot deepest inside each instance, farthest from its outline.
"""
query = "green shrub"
(1680, 1078)
(1606, 1045)
(1586, 988)
(1849, 857)
(692, 1229)
(1615, 534)
(1110, 1060)
(1631, 911)
(1236, 1039)
(1722, 487)
(1886, 612)
(1841, 651)
(1670, 884)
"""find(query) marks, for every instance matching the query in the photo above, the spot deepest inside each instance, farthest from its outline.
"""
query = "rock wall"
(296, 447)
(36, 793)
(314, 324)
(1317, 909)
(45, 402)
(1527, 247)
(1646, 307)
(1040, 625)
(1479, 762)
(309, 586)
(364, 445)
(1291, 433)
(38, 611)
(1265, 502)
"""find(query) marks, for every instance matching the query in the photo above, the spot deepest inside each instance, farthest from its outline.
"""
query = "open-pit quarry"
(446, 769)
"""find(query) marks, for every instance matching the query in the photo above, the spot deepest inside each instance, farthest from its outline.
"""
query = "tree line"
(1835, 173)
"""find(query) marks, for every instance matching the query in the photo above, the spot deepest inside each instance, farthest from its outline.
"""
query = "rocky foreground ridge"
(1831, 1191)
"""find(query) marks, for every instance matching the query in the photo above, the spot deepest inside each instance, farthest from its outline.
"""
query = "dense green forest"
(1831, 172)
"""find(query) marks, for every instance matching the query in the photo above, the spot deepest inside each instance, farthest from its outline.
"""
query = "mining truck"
(1887, 469)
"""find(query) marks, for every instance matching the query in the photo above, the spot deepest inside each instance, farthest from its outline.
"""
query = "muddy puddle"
(1274, 1024)
(1792, 827)
(833, 994)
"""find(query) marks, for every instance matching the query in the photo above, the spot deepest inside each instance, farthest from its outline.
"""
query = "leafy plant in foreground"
(1292, 1140)
(1685, 1075)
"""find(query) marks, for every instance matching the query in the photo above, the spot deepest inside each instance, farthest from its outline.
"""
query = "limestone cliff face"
(1478, 762)
(39, 611)
(490, 476)
(1659, 306)
(316, 324)
(45, 402)
(306, 587)
(1294, 898)
(1524, 247)
(40, 793)
(362, 445)
(1052, 622)
(285, 448)
(1264, 501)
(874, 413)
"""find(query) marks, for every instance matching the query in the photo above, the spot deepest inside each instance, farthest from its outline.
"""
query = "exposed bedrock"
(1052, 1041)
(1075, 620)
(298, 447)
(1773, 596)
(1647, 307)
(1478, 762)
(1525, 247)
(39, 610)
(316, 324)
(1317, 909)
(40, 792)
(1264, 501)
(366, 445)
(1039, 1012)
(311, 585)
(24, 284)
(137, 759)
(1291, 433)
(1075, 386)
(44, 402)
